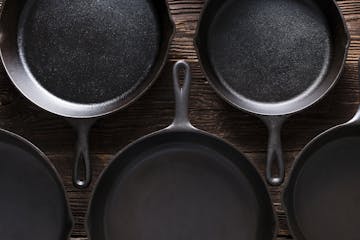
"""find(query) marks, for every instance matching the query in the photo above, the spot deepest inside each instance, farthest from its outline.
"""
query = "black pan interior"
(323, 195)
(181, 186)
(33, 205)
(270, 51)
(89, 51)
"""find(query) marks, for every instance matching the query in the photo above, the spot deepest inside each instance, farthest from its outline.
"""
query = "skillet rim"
(113, 105)
(173, 129)
(295, 169)
(217, 90)
(69, 218)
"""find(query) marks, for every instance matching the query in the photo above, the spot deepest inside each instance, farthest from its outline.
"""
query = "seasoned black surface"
(269, 51)
(326, 196)
(32, 202)
(89, 51)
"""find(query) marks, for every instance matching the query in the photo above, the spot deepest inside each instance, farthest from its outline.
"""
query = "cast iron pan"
(322, 196)
(84, 59)
(33, 203)
(272, 58)
(181, 183)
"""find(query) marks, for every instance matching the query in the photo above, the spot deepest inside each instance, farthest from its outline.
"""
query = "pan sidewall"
(322, 139)
(35, 93)
(102, 182)
(278, 109)
(24, 144)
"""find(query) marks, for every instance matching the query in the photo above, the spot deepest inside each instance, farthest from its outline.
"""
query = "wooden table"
(155, 111)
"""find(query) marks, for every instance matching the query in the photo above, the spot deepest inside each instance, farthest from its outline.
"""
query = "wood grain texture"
(155, 111)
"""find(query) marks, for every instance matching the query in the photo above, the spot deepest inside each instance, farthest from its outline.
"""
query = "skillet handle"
(182, 94)
(274, 153)
(82, 168)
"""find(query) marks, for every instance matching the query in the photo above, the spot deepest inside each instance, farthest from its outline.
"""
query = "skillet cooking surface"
(180, 189)
(89, 51)
(32, 202)
(269, 50)
(326, 195)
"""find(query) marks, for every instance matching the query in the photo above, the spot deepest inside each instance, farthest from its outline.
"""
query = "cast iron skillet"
(322, 196)
(84, 59)
(33, 203)
(272, 58)
(181, 183)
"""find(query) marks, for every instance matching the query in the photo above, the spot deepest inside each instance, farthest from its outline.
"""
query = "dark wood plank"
(155, 110)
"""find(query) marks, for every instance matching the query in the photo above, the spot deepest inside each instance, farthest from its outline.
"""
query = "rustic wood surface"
(155, 111)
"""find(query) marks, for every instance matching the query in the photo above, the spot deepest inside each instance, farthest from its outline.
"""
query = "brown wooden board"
(207, 111)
